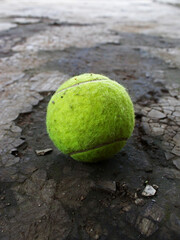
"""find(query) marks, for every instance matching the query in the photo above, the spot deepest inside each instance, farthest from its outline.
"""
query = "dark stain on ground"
(127, 65)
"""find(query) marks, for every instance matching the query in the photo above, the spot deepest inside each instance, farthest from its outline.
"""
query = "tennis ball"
(90, 117)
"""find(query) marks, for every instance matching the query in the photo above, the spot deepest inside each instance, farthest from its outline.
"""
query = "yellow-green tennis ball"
(90, 117)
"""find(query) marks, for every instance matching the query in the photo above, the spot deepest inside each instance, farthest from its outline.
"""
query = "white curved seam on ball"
(99, 146)
(77, 84)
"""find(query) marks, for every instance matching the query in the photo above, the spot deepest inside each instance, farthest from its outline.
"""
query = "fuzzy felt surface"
(99, 153)
(90, 117)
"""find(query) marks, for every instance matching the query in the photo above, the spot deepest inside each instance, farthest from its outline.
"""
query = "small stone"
(154, 211)
(96, 237)
(176, 162)
(145, 119)
(161, 81)
(135, 196)
(165, 120)
(109, 186)
(168, 155)
(148, 191)
(146, 226)
(14, 152)
(138, 109)
(18, 143)
(148, 74)
(16, 129)
(157, 131)
(139, 202)
(170, 108)
(173, 101)
(82, 198)
(174, 92)
(176, 150)
(157, 108)
(156, 114)
(126, 208)
(144, 112)
(176, 138)
(43, 152)
(176, 114)
(165, 144)
(171, 173)
(146, 128)
(155, 186)
(166, 111)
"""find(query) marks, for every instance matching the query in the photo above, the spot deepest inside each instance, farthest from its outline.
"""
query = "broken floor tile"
(43, 151)
(176, 162)
(146, 226)
(156, 114)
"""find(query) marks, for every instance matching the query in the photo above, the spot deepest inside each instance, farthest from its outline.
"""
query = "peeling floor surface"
(54, 197)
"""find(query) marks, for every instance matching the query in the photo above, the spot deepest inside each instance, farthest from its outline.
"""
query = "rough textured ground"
(136, 43)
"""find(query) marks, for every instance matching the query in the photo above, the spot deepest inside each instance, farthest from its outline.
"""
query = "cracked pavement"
(52, 196)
